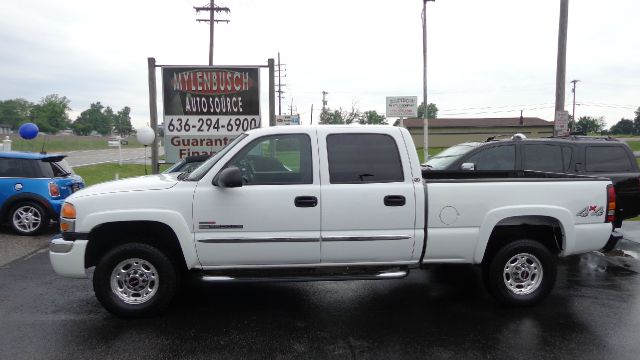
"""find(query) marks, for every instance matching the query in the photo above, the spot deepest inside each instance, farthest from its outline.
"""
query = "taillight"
(54, 190)
(611, 204)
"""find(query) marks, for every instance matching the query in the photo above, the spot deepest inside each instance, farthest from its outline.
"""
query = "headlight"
(68, 211)
(68, 218)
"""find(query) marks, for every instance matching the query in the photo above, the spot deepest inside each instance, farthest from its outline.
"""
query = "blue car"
(33, 187)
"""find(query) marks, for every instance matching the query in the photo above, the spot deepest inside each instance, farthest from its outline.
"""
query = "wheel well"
(543, 229)
(110, 235)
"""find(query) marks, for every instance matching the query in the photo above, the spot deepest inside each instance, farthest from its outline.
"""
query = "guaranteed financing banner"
(207, 107)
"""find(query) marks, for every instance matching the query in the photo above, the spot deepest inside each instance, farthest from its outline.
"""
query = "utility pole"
(324, 100)
(425, 120)
(324, 104)
(212, 9)
(292, 108)
(311, 123)
(272, 93)
(280, 84)
(574, 99)
(561, 66)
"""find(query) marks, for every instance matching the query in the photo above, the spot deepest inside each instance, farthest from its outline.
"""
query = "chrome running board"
(303, 274)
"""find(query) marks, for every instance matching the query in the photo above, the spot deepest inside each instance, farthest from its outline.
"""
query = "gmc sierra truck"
(325, 203)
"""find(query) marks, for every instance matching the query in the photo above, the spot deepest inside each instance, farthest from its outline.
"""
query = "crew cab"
(325, 203)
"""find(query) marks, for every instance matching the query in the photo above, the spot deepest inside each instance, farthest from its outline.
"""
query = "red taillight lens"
(611, 204)
(54, 190)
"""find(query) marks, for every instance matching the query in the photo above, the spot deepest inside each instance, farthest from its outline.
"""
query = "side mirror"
(468, 167)
(230, 177)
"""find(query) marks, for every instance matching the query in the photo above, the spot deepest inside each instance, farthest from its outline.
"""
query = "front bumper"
(67, 257)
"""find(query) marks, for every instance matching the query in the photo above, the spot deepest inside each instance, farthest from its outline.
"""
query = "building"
(448, 132)
(5, 129)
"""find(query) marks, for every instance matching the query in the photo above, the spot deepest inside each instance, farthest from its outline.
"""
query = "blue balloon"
(28, 131)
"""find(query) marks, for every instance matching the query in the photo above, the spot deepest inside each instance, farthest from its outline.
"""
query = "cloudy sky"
(486, 58)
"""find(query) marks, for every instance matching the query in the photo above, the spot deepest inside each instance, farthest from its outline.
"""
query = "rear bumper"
(67, 257)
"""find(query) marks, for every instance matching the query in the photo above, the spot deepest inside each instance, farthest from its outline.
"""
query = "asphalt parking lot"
(442, 313)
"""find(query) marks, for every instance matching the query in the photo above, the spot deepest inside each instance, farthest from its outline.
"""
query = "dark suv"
(603, 157)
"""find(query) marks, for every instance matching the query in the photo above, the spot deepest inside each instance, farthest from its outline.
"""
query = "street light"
(425, 121)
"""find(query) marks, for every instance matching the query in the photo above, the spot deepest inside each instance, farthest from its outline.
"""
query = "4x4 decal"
(594, 210)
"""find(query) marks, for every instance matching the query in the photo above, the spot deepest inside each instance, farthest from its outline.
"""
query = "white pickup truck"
(325, 203)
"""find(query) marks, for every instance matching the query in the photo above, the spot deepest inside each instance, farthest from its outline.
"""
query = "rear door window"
(495, 158)
(607, 159)
(543, 157)
(363, 158)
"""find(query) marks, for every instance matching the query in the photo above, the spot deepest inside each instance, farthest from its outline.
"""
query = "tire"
(522, 273)
(135, 280)
(28, 218)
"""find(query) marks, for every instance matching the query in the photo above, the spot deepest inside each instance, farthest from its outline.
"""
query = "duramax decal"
(212, 225)
(594, 210)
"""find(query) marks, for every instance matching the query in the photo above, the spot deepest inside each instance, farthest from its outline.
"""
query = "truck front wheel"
(521, 273)
(135, 280)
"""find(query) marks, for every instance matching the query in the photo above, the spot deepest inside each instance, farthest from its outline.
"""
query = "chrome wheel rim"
(523, 274)
(134, 281)
(27, 218)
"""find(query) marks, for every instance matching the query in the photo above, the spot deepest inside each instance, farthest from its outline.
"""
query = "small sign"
(402, 106)
(282, 120)
(561, 123)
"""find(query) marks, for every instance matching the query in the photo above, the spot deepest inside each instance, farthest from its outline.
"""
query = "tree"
(122, 122)
(372, 117)
(588, 124)
(432, 111)
(15, 112)
(96, 118)
(339, 116)
(623, 127)
(50, 114)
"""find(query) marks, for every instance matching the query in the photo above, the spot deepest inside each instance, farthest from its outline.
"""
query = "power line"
(498, 111)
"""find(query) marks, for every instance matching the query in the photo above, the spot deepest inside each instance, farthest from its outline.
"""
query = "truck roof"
(304, 128)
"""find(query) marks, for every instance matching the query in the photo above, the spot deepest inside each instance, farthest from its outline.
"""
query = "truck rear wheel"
(521, 273)
(135, 280)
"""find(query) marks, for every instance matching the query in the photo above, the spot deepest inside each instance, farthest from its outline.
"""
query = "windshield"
(201, 170)
(447, 157)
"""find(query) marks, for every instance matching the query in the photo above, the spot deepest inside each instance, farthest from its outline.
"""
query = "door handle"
(306, 201)
(394, 200)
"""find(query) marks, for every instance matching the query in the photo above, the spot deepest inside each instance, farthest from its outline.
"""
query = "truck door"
(274, 218)
(368, 204)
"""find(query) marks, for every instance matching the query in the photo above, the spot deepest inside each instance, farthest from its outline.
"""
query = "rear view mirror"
(468, 167)
(230, 177)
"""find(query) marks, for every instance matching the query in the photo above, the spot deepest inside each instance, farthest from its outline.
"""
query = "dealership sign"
(206, 107)
(561, 123)
(287, 120)
(402, 106)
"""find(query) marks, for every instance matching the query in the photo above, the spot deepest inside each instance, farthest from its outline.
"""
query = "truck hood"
(141, 183)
